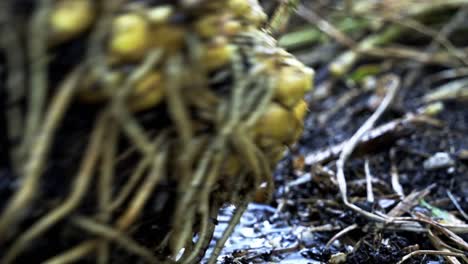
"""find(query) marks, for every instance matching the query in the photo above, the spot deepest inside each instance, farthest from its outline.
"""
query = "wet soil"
(305, 216)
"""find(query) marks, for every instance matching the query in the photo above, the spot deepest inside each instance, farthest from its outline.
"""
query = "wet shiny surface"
(263, 236)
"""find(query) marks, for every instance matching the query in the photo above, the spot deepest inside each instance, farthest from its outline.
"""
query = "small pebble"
(337, 258)
(463, 154)
(438, 161)
(386, 203)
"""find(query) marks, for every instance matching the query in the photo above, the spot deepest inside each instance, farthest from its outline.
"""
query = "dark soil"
(283, 232)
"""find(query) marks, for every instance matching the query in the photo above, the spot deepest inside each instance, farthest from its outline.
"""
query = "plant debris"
(372, 180)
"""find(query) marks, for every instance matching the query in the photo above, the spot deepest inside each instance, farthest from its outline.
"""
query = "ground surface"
(415, 156)
(289, 230)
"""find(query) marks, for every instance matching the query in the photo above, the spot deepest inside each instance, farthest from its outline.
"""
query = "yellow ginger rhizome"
(134, 122)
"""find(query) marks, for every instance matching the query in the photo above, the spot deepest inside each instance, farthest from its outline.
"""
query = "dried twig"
(340, 234)
(440, 245)
(457, 205)
(392, 84)
(395, 176)
(409, 202)
(310, 16)
(429, 252)
(442, 37)
(370, 193)
(385, 133)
